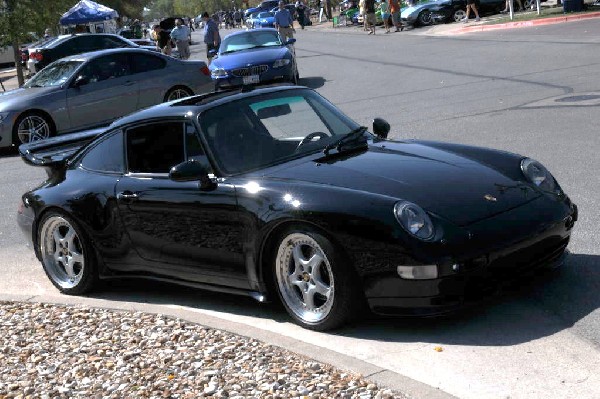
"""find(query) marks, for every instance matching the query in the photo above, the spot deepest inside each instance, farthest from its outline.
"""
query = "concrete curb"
(382, 377)
(526, 24)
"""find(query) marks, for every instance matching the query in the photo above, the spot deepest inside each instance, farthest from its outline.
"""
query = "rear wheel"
(312, 281)
(424, 18)
(66, 254)
(177, 93)
(32, 126)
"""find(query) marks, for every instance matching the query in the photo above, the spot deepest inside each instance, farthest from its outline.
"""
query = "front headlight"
(414, 219)
(218, 73)
(281, 63)
(536, 173)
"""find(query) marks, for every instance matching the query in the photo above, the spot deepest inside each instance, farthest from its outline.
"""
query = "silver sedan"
(93, 89)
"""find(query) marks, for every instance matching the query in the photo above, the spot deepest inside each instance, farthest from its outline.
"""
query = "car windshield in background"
(250, 40)
(268, 129)
(54, 75)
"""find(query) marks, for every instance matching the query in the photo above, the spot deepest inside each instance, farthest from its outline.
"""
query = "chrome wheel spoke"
(62, 254)
(307, 285)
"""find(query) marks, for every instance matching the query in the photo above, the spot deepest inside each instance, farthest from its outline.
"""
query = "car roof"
(94, 54)
(63, 38)
(194, 105)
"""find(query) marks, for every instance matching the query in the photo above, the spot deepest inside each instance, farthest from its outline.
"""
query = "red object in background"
(205, 70)
(36, 56)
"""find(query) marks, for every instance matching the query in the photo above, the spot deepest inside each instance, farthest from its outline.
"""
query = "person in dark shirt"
(163, 40)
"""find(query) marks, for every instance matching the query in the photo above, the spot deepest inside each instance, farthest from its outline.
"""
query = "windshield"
(54, 74)
(268, 129)
(249, 40)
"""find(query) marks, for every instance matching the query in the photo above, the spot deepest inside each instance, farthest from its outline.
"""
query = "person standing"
(471, 6)
(181, 36)
(300, 10)
(370, 10)
(284, 22)
(362, 13)
(394, 7)
(385, 15)
(212, 39)
(163, 40)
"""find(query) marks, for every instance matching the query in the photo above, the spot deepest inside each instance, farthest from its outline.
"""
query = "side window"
(155, 148)
(108, 67)
(112, 42)
(106, 156)
(146, 63)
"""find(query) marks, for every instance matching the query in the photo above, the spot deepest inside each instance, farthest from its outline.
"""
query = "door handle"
(127, 196)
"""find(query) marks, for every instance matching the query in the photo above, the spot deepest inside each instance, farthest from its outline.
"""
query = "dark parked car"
(447, 10)
(275, 193)
(63, 46)
(264, 6)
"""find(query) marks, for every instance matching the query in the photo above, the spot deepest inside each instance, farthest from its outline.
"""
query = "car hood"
(13, 100)
(255, 56)
(443, 183)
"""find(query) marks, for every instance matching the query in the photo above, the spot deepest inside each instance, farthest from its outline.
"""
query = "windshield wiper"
(347, 138)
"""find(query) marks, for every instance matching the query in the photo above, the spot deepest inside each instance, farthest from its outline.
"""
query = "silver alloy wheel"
(304, 278)
(176, 94)
(33, 128)
(62, 252)
(459, 15)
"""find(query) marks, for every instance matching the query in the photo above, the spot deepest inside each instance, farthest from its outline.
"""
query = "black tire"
(63, 246)
(424, 18)
(178, 92)
(32, 115)
(330, 275)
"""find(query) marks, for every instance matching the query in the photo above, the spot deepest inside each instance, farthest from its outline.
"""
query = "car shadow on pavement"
(313, 82)
(540, 306)
(8, 151)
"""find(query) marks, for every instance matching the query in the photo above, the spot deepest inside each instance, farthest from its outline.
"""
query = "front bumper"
(283, 74)
(479, 273)
(6, 129)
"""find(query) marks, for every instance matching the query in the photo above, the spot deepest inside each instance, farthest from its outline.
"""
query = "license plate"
(252, 79)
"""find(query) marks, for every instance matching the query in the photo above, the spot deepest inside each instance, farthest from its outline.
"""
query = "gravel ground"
(49, 351)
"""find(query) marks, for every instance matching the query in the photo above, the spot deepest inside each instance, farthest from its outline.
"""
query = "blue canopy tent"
(86, 11)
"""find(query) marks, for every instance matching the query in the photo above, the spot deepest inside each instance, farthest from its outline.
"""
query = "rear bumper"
(463, 281)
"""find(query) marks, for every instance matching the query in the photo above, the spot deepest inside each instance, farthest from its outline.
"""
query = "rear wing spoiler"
(57, 150)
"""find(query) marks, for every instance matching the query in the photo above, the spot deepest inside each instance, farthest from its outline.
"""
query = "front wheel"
(312, 282)
(459, 15)
(67, 257)
(177, 93)
(32, 126)
(424, 18)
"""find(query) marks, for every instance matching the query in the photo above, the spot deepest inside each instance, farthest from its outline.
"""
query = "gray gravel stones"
(49, 351)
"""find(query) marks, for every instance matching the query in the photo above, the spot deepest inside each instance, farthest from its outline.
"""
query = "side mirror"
(192, 171)
(290, 41)
(381, 128)
(81, 80)
(212, 53)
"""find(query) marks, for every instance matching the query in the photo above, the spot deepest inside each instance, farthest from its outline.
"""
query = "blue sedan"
(264, 20)
(254, 57)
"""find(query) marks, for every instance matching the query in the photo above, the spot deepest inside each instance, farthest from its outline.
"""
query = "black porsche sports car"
(275, 192)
